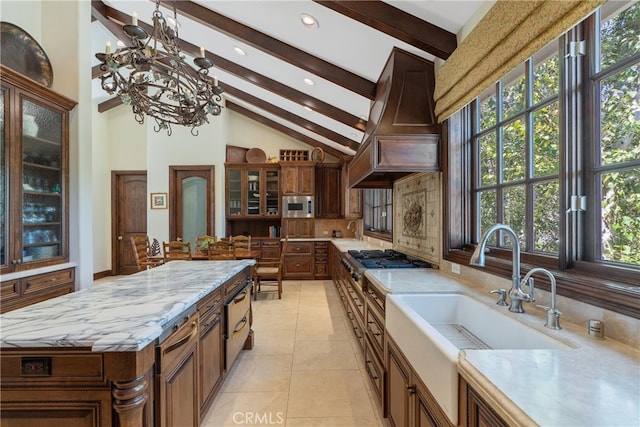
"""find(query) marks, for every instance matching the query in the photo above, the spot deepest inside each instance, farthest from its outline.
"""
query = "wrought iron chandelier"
(152, 76)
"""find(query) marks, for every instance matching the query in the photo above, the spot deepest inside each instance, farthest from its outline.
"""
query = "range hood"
(402, 134)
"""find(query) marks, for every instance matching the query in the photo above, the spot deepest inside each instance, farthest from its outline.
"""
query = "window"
(378, 212)
(553, 150)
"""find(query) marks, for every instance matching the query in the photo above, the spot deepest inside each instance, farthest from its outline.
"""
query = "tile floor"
(305, 368)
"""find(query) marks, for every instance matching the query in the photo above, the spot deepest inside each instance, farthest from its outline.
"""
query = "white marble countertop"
(594, 383)
(125, 314)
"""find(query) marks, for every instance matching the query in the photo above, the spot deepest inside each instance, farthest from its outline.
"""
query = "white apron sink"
(431, 329)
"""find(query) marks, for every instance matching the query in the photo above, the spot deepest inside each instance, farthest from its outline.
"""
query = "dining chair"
(241, 242)
(220, 250)
(176, 250)
(268, 272)
(141, 251)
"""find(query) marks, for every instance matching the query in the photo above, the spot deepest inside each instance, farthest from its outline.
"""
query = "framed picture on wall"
(158, 200)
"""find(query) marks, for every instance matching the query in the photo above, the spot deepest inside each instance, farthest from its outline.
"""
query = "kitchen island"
(99, 356)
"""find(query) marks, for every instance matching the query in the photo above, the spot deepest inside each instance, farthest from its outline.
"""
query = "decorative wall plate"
(256, 155)
(20, 52)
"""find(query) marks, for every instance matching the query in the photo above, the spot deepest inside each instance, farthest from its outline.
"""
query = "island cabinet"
(298, 178)
(34, 177)
(177, 377)
(211, 348)
(409, 402)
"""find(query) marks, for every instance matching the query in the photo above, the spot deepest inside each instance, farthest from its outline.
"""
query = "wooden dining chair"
(220, 250)
(141, 251)
(241, 242)
(268, 272)
(176, 250)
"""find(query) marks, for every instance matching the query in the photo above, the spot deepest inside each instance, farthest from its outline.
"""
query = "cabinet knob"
(119, 237)
(411, 389)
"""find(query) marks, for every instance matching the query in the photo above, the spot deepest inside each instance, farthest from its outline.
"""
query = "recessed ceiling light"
(120, 43)
(239, 51)
(309, 21)
(309, 81)
(307, 108)
(363, 118)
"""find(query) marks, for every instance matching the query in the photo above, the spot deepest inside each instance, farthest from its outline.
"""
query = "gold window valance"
(509, 33)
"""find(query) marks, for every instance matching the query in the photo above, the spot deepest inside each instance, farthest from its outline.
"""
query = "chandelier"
(152, 76)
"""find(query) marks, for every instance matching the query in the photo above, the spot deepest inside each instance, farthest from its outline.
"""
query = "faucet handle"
(502, 296)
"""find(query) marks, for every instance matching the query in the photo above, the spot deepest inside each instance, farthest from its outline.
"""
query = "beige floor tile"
(334, 422)
(259, 373)
(319, 355)
(273, 341)
(274, 320)
(247, 409)
(326, 329)
(339, 393)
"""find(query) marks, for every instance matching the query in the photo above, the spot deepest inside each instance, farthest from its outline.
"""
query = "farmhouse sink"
(431, 329)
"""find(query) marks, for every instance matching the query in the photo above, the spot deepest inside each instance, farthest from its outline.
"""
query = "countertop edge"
(492, 395)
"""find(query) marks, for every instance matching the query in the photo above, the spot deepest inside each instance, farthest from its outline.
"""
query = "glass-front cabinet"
(33, 190)
(253, 191)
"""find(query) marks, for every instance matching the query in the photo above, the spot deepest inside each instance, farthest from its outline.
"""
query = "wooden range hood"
(402, 134)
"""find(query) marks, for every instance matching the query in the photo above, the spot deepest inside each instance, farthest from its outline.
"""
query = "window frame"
(368, 212)
(579, 277)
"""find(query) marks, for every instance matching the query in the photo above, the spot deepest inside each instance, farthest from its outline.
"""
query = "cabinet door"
(328, 192)
(398, 388)
(253, 191)
(5, 249)
(234, 192)
(289, 183)
(211, 356)
(306, 180)
(272, 192)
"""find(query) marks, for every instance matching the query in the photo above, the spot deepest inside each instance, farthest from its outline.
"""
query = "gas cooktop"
(388, 258)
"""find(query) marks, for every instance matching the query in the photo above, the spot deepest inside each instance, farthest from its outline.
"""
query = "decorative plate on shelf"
(20, 52)
(256, 155)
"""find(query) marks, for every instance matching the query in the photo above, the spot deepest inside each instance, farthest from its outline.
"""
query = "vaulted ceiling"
(343, 55)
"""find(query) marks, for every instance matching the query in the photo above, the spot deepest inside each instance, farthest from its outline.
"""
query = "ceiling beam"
(290, 117)
(276, 48)
(287, 131)
(397, 23)
(259, 80)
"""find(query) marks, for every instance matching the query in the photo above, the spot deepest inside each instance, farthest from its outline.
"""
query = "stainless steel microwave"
(298, 206)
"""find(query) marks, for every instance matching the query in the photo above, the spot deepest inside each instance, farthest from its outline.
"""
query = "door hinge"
(578, 48)
(577, 204)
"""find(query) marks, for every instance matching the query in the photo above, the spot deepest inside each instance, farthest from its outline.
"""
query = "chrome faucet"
(553, 315)
(516, 294)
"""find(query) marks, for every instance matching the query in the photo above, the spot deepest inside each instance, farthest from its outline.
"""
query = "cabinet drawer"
(374, 368)
(299, 248)
(177, 344)
(375, 330)
(9, 289)
(47, 367)
(236, 283)
(298, 265)
(44, 281)
(209, 302)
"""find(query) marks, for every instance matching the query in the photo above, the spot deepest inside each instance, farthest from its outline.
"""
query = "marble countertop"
(594, 383)
(125, 314)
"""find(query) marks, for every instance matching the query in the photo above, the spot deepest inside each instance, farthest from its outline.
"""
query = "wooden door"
(191, 202)
(129, 217)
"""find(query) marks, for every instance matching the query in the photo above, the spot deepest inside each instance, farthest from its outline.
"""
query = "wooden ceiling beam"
(276, 48)
(287, 131)
(257, 79)
(397, 23)
(297, 120)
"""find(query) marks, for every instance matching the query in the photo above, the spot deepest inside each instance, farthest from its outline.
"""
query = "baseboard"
(102, 274)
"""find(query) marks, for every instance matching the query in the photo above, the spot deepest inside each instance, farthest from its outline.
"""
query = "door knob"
(119, 237)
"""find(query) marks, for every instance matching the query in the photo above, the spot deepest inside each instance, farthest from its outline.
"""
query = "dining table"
(240, 253)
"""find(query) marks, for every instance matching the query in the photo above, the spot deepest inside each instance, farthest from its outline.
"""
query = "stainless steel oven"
(298, 206)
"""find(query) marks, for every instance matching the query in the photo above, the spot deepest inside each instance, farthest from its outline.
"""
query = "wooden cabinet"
(298, 178)
(352, 197)
(408, 401)
(475, 412)
(211, 348)
(322, 268)
(298, 260)
(34, 180)
(32, 289)
(178, 402)
(329, 200)
(298, 228)
(252, 191)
